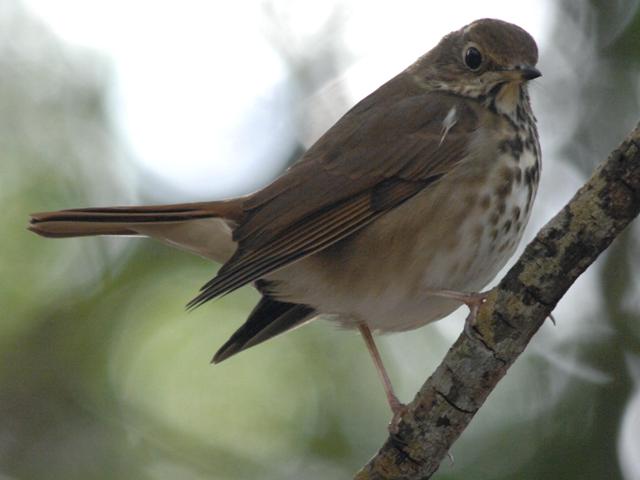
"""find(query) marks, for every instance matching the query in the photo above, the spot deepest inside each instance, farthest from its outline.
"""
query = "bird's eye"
(473, 58)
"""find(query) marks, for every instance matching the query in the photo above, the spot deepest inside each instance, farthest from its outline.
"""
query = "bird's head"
(480, 59)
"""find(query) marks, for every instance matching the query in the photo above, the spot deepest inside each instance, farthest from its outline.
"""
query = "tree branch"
(514, 311)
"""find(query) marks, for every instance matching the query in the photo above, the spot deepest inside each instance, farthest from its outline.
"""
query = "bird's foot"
(399, 409)
(473, 300)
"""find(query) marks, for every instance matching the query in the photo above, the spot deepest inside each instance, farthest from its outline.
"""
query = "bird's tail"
(203, 228)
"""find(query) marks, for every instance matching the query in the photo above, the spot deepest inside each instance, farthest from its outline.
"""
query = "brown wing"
(377, 156)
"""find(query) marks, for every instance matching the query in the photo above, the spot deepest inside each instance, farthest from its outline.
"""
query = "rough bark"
(512, 314)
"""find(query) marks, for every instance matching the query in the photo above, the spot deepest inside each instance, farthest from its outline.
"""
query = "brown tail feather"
(64, 229)
(176, 224)
(118, 220)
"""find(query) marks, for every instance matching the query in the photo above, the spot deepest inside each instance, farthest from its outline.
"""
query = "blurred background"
(103, 375)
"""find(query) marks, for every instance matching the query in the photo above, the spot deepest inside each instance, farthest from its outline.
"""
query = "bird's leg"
(471, 299)
(397, 407)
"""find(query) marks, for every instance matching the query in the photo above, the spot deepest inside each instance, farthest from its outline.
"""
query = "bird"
(399, 214)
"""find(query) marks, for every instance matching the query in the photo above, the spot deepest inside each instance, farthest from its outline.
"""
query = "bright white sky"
(200, 92)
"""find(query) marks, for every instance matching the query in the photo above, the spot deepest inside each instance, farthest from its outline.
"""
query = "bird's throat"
(508, 98)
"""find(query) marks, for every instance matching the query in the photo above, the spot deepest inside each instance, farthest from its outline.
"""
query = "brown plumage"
(414, 189)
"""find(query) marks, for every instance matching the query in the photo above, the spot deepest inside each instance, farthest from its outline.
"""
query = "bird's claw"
(473, 300)
(399, 409)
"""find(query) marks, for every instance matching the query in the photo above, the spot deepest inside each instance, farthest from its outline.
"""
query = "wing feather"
(376, 157)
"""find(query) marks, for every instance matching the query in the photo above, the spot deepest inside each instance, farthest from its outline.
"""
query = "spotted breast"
(456, 234)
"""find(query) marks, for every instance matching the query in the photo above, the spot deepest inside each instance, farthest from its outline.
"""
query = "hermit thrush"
(421, 191)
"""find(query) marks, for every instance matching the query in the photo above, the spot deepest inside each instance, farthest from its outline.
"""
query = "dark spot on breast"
(529, 198)
(503, 190)
(494, 218)
(505, 184)
(517, 146)
(514, 146)
(531, 175)
(517, 174)
(529, 144)
(507, 226)
(516, 213)
(506, 173)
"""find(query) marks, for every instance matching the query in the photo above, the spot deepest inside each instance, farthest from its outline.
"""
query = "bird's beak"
(522, 73)
(529, 73)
